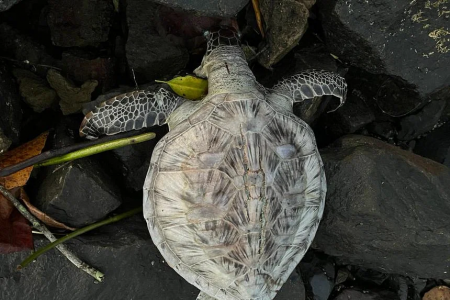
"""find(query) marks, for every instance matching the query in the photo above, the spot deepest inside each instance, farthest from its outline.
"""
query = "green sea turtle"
(235, 191)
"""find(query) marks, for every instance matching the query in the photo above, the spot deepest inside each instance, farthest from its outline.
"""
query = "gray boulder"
(78, 193)
(387, 209)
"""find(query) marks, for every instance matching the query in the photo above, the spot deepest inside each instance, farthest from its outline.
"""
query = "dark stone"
(319, 274)
(436, 145)
(11, 113)
(81, 68)
(124, 252)
(405, 40)
(415, 125)
(286, 22)
(79, 23)
(6, 4)
(228, 8)
(16, 45)
(149, 55)
(385, 209)
(292, 289)
(367, 294)
(385, 130)
(349, 118)
(78, 193)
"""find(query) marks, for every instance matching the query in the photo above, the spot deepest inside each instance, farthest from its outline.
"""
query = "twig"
(71, 235)
(62, 151)
(62, 248)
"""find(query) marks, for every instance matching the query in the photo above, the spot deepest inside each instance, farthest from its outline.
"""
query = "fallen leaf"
(21, 153)
(189, 87)
(15, 231)
(46, 219)
(438, 293)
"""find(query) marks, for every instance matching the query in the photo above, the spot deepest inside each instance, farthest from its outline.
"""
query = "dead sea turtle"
(235, 191)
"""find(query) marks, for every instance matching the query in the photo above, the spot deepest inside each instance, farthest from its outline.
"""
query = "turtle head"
(223, 38)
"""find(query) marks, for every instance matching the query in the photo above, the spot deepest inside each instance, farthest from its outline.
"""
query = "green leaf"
(189, 87)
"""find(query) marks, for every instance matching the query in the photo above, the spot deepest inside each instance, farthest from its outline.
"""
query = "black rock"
(228, 8)
(349, 118)
(385, 209)
(26, 50)
(10, 110)
(124, 252)
(318, 272)
(386, 130)
(76, 23)
(403, 40)
(149, 55)
(366, 294)
(436, 145)
(78, 193)
(415, 125)
(292, 289)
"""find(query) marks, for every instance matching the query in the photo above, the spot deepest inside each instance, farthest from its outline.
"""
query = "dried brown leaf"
(21, 153)
(46, 219)
(15, 231)
(438, 293)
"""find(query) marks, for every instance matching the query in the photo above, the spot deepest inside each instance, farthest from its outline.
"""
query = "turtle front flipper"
(130, 111)
(310, 84)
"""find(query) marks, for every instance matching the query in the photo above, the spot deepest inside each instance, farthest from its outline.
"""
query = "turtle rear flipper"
(130, 111)
(310, 84)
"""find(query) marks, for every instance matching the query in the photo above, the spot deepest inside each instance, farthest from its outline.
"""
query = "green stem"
(42, 250)
(97, 149)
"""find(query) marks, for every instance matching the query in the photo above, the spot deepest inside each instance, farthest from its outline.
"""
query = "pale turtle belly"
(233, 201)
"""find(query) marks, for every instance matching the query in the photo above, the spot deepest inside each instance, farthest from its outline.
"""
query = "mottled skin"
(235, 191)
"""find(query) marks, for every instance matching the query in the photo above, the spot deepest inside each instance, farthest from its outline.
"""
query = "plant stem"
(42, 250)
(97, 149)
(47, 155)
(62, 248)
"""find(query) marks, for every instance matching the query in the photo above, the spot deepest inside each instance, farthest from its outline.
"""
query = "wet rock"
(436, 145)
(35, 90)
(11, 113)
(6, 4)
(4, 142)
(124, 252)
(83, 67)
(385, 208)
(292, 289)
(78, 193)
(366, 294)
(415, 125)
(319, 274)
(72, 97)
(228, 8)
(286, 22)
(382, 129)
(149, 55)
(349, 118)
(78, 23)
(412, 46)
(16, 45)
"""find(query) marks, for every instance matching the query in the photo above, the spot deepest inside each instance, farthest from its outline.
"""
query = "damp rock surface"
(387, 209)
(78, 193)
